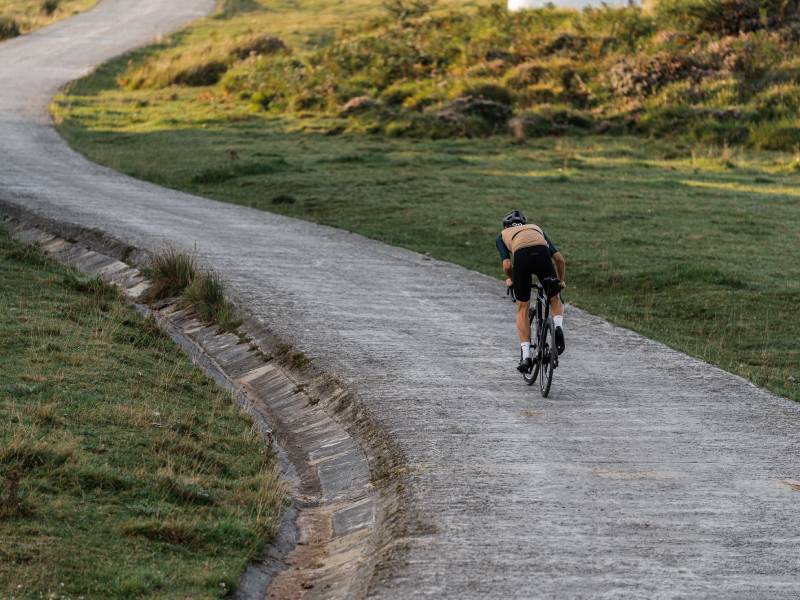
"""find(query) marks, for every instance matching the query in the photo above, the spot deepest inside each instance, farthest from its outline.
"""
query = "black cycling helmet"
(514, 218)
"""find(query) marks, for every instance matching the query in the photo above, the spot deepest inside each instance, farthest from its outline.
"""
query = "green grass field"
(18, 17)
(695, 246)
(124, 471)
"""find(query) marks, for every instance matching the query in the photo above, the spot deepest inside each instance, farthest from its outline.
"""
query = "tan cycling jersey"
(523, 236)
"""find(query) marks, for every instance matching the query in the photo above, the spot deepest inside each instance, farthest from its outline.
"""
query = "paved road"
(647, 474)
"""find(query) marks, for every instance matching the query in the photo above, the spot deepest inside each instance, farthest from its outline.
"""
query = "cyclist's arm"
(505, 255)
(558, 259)
(561, 266)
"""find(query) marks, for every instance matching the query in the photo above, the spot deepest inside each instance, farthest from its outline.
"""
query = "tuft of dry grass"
(206, 296)
(171, 272)
(176, 274)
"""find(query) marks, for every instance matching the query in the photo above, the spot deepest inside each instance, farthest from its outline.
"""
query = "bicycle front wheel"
(548, 357)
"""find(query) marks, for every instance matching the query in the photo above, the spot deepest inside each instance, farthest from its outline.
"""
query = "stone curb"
(349, 507)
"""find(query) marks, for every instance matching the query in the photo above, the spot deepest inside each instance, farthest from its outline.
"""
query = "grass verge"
(18, 17)
(692, 245)
(124, 471)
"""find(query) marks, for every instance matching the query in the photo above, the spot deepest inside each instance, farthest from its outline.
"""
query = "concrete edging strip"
(343, 518)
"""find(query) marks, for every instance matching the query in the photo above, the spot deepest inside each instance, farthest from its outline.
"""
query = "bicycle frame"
(542, 312)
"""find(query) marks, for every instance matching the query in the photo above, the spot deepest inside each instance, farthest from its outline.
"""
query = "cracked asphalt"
(646, 474)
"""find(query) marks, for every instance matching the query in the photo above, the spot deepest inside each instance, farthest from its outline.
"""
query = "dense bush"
(8, 28)
(727, 17)
(716, 70)
(50, 6)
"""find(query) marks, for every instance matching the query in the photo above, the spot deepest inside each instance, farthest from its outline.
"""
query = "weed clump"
(205, 295)
(175, 274)
(30, 255)
(171, 272)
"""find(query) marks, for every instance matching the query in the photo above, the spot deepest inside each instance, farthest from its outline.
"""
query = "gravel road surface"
(647, 474)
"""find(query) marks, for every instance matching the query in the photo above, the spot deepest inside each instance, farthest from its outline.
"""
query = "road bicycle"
(544, 354)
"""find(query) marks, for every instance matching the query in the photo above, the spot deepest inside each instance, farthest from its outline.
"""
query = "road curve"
(646, 474)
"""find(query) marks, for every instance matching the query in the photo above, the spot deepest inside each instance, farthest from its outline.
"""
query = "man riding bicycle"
(526, 250)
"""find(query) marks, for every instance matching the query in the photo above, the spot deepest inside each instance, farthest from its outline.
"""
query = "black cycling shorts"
(533, 260)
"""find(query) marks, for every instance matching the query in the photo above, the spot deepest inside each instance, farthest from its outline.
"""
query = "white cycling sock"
(526, 350)
(558, 321)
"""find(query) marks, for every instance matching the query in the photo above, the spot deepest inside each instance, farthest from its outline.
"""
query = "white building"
(523, 4)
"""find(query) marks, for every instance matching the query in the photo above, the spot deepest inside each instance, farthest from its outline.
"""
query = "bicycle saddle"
(552, 286)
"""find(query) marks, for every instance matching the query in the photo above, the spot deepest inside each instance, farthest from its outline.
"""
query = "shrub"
(427, 93)
(625, 27)
(463, 112)
(485, 91)
(8, 28)
(229, 8)
(50, 6)
(201, 74)
(642, 76)
(175, 70)
(755, 57)
(783, 135)
(258, 46)
(526, 74)
(403, 10)
(727, 17)
(542, 93)
(397, 93)
(492, 68)
(778, 102)
(551, 120)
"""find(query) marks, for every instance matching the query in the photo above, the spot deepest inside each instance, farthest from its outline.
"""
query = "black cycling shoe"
(524, 365)
(560, 346)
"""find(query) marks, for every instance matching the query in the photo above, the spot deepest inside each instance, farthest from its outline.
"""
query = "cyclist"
(526, 250)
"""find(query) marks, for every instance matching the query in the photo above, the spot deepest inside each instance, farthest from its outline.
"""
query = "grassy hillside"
(721, 71)
(124, 471)
(692, 244)
(18, 17)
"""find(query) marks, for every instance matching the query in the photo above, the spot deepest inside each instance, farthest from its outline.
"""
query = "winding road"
(646, 474)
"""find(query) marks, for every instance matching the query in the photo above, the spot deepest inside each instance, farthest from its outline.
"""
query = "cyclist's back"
(524, 236)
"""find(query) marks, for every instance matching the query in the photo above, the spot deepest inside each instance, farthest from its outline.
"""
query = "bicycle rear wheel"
(531, 376)
(548, 357)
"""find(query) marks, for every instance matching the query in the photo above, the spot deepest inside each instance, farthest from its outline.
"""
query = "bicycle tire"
(548, 357)
(531, 376)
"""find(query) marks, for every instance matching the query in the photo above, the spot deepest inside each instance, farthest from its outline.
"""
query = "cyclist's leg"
(556, 306)
(523, 324)
(521, 277)
(544, 268)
